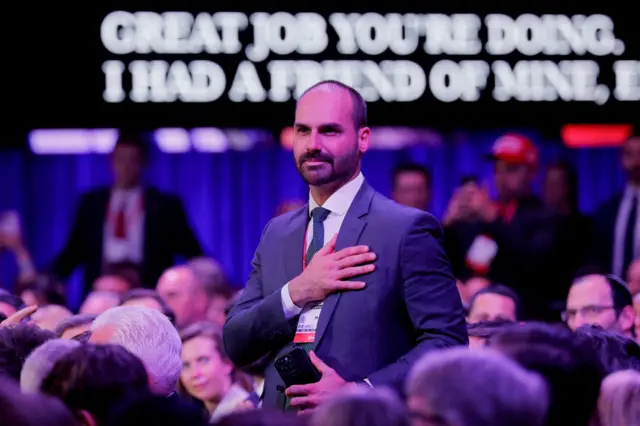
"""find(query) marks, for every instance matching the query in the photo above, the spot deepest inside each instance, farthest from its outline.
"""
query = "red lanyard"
(304, 248)
(509, 210)
(137, 213)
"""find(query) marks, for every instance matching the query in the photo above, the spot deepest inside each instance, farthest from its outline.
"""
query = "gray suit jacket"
(409, 306)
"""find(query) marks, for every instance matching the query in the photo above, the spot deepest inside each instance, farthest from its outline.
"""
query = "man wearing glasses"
(602, 300)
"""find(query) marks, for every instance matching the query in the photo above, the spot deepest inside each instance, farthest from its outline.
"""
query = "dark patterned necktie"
(318, 216)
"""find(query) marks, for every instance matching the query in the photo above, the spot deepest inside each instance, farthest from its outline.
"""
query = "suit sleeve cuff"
(289, 308)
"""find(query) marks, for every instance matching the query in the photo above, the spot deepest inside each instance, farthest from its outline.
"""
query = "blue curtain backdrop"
(229, 197)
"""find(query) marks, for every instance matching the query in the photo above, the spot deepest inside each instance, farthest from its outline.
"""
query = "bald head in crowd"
(185, 294)
(600, 300)
(111, 283)
(48, 317)
(99, 301)
(214, 280)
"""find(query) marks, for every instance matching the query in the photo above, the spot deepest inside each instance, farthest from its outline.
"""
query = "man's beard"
(330, 172)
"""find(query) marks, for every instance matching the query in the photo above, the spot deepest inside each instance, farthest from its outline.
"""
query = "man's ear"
(626, 320)
(85, 418)
(363, 139)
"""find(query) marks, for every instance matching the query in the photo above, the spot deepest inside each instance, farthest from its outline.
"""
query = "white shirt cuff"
(367, 382)
(289, 308)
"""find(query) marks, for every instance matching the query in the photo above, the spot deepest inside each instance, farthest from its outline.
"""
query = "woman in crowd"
(208, 375)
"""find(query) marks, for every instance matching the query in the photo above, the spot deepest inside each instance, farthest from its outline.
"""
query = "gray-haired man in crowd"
(150, 336)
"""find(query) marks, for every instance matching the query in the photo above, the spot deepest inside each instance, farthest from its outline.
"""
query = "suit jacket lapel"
(349, 235)
(293, 243)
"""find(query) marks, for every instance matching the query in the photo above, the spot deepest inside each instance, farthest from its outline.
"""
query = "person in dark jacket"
(127, 222)
(617, 233)
(575, 231)
(510, 240)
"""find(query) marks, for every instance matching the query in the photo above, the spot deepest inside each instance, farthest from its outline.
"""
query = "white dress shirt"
(338, 204)
(129, 248)
(621, 229)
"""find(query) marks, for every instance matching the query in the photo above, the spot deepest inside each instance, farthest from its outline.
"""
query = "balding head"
(99, 301)
(211, 275)
(48, 317)
(111, 283)
(328, 142)
(185, 294)
(182, 274)
(358, 105)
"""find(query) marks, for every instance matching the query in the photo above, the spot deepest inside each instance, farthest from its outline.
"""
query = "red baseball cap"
(516, 149)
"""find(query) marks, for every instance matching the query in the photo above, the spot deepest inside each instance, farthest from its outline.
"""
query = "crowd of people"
(516, 311)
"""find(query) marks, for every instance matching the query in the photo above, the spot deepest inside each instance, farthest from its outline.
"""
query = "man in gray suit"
(360, 281)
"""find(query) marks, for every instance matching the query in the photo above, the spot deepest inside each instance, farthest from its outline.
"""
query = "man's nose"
(578, 321)
(314, 143)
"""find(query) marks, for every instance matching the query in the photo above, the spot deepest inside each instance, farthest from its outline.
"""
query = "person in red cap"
(516, 163)
(510, 240)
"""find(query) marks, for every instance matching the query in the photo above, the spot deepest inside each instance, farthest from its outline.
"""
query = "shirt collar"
(130, 191)
(340, 201)
(125, 195)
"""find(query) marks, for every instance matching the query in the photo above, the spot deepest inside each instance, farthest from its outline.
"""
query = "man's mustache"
(315, 156)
